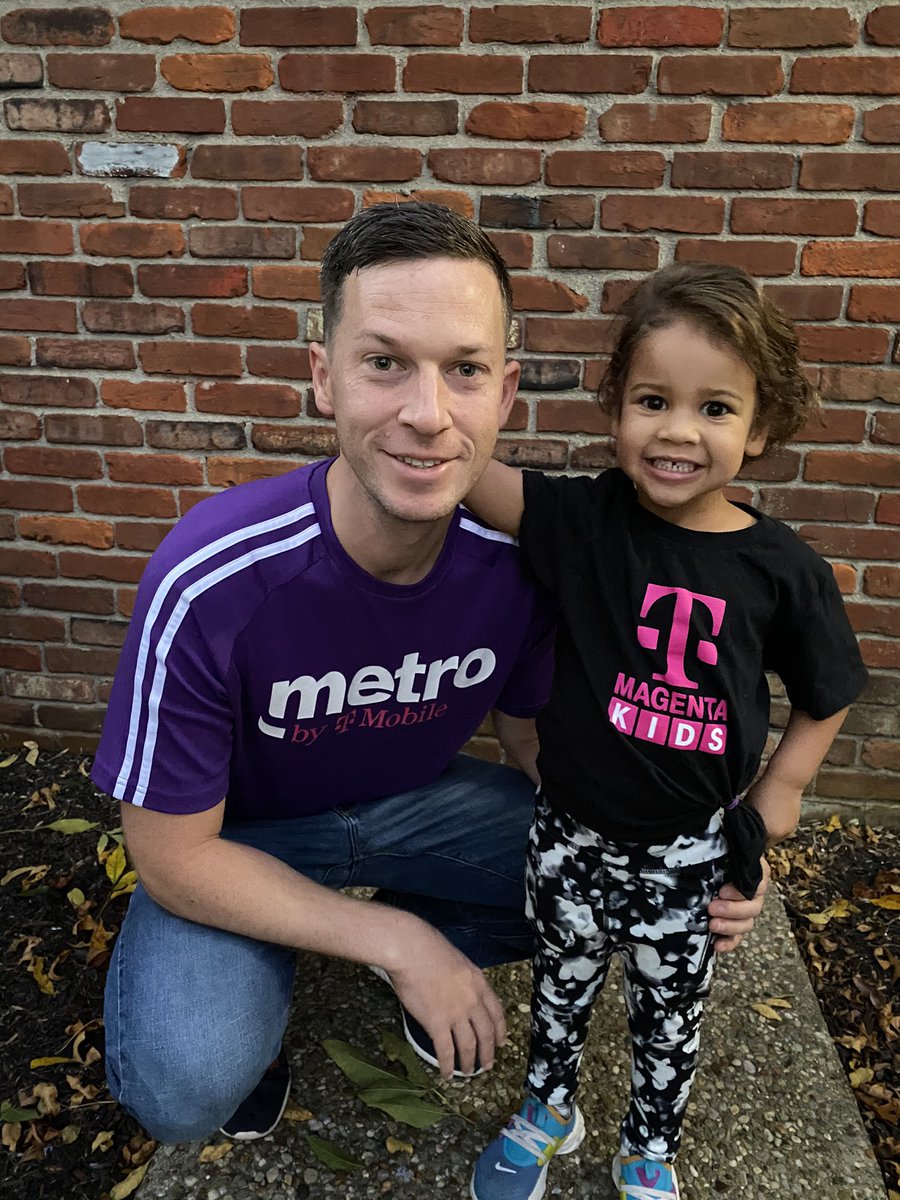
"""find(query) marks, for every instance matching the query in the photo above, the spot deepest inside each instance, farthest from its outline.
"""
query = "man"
(307, 655)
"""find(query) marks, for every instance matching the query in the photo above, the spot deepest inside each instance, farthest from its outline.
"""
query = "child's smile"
(687, 422)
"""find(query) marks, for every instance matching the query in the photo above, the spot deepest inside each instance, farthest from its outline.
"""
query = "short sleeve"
(554, 524)
(527, 688)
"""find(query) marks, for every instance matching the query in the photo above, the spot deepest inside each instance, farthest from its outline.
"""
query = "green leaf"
(398, 1049)
(358, 1068)
(11, 1114)
(336, 1159)
(404, 1105)
(71, 825)
(75, 897)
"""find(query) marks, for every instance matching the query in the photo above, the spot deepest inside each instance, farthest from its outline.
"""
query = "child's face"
(686, 423)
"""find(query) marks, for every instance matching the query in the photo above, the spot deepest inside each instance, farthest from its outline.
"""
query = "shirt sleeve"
(527, 689)
(553, 523)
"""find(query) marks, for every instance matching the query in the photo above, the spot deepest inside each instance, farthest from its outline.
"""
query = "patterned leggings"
(588, 897)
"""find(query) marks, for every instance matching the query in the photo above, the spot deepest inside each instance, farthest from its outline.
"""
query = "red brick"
(883, 25)
(886, 430)
(882, 217)
(19, 426)
(338, 73)
(196, 435)
(6, 199)
(286, 283)
(720, 75)
(588, 73)
(21, 156)
(68, 200)
(488, 166)
(298, 118)
(67, 597)
(418, 25)
(42, 687)
(132, 239)
(731, 169)
(882, 754)
(373, 163)
(859, 75)
(138, 535)
(180, 203)
(190, 358)
(317, 441)
(81, 26)
(869, 302)
(535, 211)
(774, 121)
(806, 302)
(35, 237)
(656, 123)
(775, 215)
(538, 121)
(882, 125)
(59, 464)
(279, 362)
(102, 72)
(817, 504)
(298, 25)
(24, 627)
(672, 25)
(873, 259)
(758, 258)
(227, 472)
(530, 23)
(247, 162)
(602, 253)
(882, 581)
(242, 241)
(517, 249)
(85, 354)
(846, 542)
(245, 321)
(80, 279)
(247, 399)
(458, 201)
(534, 293)
(20, 658)
(42, 497)
(103, 317)
(834, 425)
(874, 618)
(888, 511)
(54, 316)
(315, 239)
(93, 430)
(541, 453)
(110, 500)
(860, 384)
(154, 468)
(569, 336)
(790, 28)
(49, 390)
(15, 352)
(605, 168)
(159, 397)
(218, 72)
(36, 115)
(464, 74)
(12, 276)
(571, 416)
(297, 203)
(158, 25)
(169, 114)
(66, 531)
(406, 118)
(856, 467)
(21, 70)
(683, 214)
(23, 563)
(831, 343)
(186, 279)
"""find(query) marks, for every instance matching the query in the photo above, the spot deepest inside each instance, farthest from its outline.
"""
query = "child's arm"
(498, 498)
(776, 794)
(518, 737)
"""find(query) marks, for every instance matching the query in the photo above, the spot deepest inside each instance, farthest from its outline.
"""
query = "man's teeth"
(419, 462)
(667, 464)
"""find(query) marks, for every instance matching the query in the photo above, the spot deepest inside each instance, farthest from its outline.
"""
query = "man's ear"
(511, 373)
(321, 378)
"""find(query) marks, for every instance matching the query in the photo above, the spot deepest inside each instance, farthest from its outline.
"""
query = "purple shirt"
(263, 665)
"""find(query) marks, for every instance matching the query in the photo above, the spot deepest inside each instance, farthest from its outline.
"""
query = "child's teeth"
(666, 464)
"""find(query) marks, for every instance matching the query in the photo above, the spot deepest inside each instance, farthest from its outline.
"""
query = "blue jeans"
(194, 1014)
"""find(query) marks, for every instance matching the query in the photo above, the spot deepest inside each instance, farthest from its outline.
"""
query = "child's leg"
(668, 962)
(565, 904)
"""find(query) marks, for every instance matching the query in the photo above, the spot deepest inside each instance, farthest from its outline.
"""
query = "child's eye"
(653, 402)
(716, 408)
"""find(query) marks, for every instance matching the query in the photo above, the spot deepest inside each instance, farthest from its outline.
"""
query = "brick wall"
(171, 176)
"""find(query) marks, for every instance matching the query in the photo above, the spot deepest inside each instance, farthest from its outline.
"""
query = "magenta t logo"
(648, 636)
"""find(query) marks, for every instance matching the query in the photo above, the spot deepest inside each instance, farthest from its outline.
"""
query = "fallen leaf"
(69, 1134)
(129, 1184)
(766, 1011)
(28, 875)
(103, 1141)
(214, 1153)
(330, 1155)
(860, 1076)
(294, 1112)
(892, 902)
(11, 1130)
(8, 762)
(834, 822)
(115, 864)
(71, 825)
(778, 1002)
(396, 1146)
(32, 756)
(36, 968)
(52, 1061)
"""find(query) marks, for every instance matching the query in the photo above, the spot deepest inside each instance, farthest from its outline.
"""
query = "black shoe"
(420, 1041)
(257, 1115)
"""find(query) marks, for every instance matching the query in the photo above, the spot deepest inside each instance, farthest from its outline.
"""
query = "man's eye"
(381, 362)
(468, 370)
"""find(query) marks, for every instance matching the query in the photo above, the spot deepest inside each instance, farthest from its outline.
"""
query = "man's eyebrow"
(389, 343)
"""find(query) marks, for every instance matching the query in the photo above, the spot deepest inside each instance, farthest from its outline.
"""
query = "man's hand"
(452, 1000)
(731, 916)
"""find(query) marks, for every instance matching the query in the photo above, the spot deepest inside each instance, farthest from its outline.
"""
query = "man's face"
(416, 378)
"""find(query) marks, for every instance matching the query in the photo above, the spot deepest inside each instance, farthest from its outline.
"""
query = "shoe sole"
(571, 1144)
(254, 1135)
(617, 1167)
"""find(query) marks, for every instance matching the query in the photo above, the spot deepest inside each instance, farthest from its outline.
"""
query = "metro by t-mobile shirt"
(264, 666)
(660, 705)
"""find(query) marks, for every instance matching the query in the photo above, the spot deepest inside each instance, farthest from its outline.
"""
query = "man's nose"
(426, 406)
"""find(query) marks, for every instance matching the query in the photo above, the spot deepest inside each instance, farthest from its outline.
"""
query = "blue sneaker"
(514, 1165)
(644, 1178)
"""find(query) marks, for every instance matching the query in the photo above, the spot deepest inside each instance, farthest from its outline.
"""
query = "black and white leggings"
(587, 897)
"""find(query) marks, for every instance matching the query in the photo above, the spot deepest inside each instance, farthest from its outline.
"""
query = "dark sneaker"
(257, 1115)
(419, 1040)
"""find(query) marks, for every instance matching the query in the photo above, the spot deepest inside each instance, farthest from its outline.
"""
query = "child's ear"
(756, 442)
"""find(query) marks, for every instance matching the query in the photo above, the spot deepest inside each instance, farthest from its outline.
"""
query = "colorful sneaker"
(644, 1178)
(258, 1114)
(514, 1165)
(419, 1040)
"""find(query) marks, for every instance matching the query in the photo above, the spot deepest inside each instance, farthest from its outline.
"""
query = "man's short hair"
(394, 232)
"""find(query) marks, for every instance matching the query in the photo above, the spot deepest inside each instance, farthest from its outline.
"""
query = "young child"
(674, 602)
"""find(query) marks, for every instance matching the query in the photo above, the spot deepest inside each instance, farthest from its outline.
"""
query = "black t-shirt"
(660, 704)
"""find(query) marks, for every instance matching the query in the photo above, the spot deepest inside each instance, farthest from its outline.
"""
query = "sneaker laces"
(536, 1141)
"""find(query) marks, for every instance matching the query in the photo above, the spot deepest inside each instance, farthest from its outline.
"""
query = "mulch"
(64, 889)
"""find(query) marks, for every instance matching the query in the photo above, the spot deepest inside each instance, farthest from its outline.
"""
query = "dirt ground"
(63, 892)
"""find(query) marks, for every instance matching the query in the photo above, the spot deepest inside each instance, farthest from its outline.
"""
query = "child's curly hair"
(726, 305)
